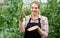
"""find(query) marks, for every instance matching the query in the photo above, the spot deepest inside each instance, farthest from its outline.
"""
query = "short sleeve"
(45, 27)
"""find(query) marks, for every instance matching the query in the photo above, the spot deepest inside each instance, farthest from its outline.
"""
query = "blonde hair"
(36, 2)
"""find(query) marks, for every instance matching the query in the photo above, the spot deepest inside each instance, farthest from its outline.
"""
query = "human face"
(34, 9)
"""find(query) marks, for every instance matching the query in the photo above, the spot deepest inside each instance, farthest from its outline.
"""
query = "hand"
(21, 18)
(33, 28)
(21, 15)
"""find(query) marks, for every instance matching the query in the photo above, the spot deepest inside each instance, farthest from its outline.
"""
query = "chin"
(34, 14)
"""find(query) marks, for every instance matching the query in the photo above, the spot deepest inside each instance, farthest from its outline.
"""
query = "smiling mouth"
(35, 11)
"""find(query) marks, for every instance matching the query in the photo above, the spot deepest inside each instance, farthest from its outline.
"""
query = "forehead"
(34, 5)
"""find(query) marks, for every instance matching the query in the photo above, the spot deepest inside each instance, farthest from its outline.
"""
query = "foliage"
(9, 18)
(51, 10)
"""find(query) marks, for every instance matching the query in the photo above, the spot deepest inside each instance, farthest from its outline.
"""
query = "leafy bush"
(9, 19)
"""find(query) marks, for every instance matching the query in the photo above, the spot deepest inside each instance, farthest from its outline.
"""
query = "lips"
(34, 11)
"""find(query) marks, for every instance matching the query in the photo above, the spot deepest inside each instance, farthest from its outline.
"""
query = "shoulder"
(28, 17)
(44, 17)
(44, 20)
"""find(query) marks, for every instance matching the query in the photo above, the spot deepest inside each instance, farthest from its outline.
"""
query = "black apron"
(34, 33)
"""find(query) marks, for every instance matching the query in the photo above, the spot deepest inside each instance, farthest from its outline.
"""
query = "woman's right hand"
(21, 14)
(21, 18)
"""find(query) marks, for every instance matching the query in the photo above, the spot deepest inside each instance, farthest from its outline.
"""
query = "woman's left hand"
(33, 28)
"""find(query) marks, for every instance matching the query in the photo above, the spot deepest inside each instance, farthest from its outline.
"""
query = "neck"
(35, 16)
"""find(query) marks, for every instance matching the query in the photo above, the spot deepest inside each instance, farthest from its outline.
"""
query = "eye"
(36, 8)
(32, 7)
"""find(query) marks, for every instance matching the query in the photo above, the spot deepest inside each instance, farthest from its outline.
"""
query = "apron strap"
(38, 20)
(29, 20)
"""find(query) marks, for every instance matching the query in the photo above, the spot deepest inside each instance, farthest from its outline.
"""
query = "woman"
(34, 25)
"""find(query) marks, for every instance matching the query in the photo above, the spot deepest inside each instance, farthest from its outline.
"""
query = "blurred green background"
(10, 13)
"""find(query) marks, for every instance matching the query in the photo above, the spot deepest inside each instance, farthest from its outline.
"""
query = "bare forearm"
(40, 31)
(20, 26)
(36, 27)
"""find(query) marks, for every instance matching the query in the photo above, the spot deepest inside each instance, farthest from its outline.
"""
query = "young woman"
(34, 25)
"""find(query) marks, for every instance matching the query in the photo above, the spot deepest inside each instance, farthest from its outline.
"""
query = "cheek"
(30, 9)
(37, 10)
(34, 10)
